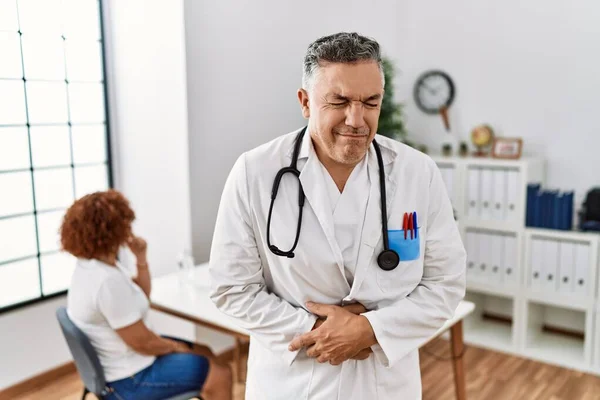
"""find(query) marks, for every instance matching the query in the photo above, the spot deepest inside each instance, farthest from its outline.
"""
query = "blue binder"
(568, 210)
(557, 207)
(537, 209)
(532, 191)
(546, 205)
(549, 211)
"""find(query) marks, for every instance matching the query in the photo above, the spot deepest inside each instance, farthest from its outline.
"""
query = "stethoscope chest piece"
(388, 260)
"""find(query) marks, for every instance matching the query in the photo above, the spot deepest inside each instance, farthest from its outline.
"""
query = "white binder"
(550, 265)
(472, 250)
(484, 256)
(582, 265)
(566, 266)
(473, 176)
(537, 251)
(487, 194)
(499, 205)
(510, 260)
(448, 174)
(497, 258)
(512, 194)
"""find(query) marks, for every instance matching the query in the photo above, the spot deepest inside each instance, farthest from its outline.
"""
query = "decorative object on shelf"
(391, 121)
(482, 137)
(589, 215)
(434, 93)
(549, 208)
(447, 150)
(463, 150)
(509, 148)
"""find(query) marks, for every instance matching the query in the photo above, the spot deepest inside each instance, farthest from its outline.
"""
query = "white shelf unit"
(557, 348)
(489, 198)
(596, 349)
(485, 328)
(559, 287)
(596, 344)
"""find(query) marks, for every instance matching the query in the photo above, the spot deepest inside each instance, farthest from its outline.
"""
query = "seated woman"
(111, 308)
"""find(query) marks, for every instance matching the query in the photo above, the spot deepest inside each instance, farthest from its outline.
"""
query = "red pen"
(405, 224)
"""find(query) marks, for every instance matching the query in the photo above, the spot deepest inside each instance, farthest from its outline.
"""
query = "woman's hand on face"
(138, 247)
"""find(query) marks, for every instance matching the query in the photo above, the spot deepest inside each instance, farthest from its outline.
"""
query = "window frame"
(109, 169)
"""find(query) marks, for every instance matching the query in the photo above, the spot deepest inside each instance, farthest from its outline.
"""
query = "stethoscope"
(387, 260)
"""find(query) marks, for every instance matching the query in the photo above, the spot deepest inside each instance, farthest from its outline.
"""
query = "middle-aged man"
(345, 262)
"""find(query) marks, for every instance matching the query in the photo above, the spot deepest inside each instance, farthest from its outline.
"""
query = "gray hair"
(340, 47)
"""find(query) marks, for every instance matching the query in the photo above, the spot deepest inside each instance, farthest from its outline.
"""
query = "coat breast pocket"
(408, 272)
(407, 245)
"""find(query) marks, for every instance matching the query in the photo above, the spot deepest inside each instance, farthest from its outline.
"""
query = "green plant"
(391, 123)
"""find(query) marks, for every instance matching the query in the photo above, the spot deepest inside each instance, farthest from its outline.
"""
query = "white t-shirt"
(101, 299)
(348, 209)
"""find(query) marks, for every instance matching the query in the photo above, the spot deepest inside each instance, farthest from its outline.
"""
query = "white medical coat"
(266, 293)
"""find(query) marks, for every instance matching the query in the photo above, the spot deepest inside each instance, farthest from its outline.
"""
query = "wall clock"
(434, 93)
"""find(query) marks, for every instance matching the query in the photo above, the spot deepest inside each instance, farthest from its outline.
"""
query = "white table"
(185, 295)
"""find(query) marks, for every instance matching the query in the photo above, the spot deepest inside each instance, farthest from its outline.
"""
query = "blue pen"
(415, 224)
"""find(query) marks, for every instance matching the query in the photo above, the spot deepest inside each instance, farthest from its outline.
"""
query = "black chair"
(86, 359)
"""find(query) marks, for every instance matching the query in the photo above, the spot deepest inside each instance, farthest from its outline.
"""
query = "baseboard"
(38, 380)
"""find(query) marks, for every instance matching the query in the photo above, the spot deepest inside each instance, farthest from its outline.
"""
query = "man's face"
(343, 108)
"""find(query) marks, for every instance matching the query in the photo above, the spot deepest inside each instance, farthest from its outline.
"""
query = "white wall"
(244, 62)
(150, 123)
(529, 68)
(31, 342)
(149, 119)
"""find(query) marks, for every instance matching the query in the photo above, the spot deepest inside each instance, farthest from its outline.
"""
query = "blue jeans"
(168, 376)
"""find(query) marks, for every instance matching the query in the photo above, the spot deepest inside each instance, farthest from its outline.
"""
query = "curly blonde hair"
(96, 224)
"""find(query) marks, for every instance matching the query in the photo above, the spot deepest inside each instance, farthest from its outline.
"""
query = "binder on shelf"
(537, 209)
(545, 198)
(473, 191)
(547, 209)
(497, 258)
(582, 266)
(550, 265)
(472, 251)
(499, 199)
(512, 194)
(537, 250)
(566, 267)
(544, 209)
(557, 211)
(484, 256)
(487, 194)
(510, 260)
(554, 209)
(532, 190)
(566, 211)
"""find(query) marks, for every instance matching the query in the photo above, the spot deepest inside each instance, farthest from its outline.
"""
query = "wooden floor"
(490, 376)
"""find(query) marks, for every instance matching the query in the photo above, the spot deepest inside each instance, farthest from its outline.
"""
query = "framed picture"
(507, 148)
